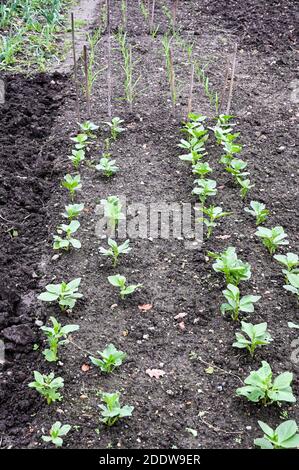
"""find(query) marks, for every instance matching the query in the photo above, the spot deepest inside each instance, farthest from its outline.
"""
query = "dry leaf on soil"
(157, 373)
(145, 307)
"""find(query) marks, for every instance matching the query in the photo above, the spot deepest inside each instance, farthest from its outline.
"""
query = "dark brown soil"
(175, 280)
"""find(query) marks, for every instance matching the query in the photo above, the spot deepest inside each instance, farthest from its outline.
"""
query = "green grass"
(30, 33)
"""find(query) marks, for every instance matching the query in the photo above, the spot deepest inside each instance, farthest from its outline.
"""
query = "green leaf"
(286, 430)
(74, 284)
(263, 443)
(47, 297)
(267, 430)
(283, 380)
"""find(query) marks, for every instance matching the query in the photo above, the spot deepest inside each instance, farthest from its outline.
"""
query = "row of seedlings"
(66, 294)
(260, 387)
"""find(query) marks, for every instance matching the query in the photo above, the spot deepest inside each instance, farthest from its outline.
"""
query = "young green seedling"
(56, 432)
(196, 118)
(77, 157)
(195, 123)
(290, 261)
(213, 213)
(88, 128)
(110, 359)
(193, 145)
(197, 132)
(72, 183)
(236, 167)
(293, 286)
(257, 334)
(112, 411)
(222, 130)
(107, 167)
(231, 266)
(245, 186)
(81, 141)
(115, 127)
(56, 336)
(72, 211)
(205, 188)
(259, 211)
(231, 149)
(112, 211)
(193, 157)
(47, 386)
(115, 250)
(61, 243)
(272, 238)
(283, 437)
(66, 294)
(236, 303)
(259, 386)
(201, 169)
(121, 282)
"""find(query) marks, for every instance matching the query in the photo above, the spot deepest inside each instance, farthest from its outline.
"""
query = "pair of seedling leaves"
(66, 294)
(121, 282)
(260, 386)
(115, 250)
(57, 431)
(283, 437)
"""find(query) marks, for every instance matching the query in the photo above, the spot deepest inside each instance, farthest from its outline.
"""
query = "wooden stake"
(152, 16)
(189, 109)
(125, 14)
(85, 59)
(224, 86)
(75, 67)
(174, 13)
(230, 96)
(109, 62)
(131, 84)
(172, 81)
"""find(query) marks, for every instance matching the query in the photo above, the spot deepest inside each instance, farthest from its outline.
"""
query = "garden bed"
(197, 391)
